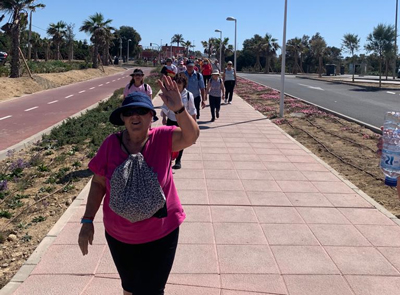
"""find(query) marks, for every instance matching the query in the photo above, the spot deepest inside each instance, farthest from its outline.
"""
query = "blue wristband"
(85, 220)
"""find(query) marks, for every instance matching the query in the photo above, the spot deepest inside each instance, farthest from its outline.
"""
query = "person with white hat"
(215, 91)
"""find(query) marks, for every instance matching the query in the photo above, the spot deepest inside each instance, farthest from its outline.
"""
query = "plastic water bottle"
(390, 161)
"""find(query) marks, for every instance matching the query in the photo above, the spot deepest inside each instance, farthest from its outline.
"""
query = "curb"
(340, 115)
(26, 269)
(38, 136)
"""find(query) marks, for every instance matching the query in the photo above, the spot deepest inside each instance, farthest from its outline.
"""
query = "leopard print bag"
(135, 192)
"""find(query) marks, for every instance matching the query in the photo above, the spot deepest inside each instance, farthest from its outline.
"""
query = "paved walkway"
(264, 216)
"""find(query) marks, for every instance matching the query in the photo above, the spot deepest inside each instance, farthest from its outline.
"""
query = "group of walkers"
(132, 170)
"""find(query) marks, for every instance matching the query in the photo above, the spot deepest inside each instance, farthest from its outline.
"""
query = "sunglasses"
(135, 111)
(138, 75)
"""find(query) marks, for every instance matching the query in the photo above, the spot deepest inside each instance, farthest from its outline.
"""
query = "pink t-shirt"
(157, 154)
(141, 88)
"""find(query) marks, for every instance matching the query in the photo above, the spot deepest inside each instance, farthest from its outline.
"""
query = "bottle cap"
(390, 181)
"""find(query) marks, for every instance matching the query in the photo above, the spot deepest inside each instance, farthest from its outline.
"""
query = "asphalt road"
(355, 102)
(23, 117)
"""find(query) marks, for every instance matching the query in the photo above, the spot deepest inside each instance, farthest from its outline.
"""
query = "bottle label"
(390, 160)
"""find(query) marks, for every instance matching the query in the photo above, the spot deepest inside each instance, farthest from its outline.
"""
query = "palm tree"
(32, 9)
(295, 48)
(36, 42)
(187, 45)
(318, 47)
(69, 36)
(257, 44)
(18, 10)
(109, 36)
(226, 49)
(177, 38)
(58, 32)
(351, 44)
(269, 49)
(208, 46)
(379, 41)
(46, 44)
(97, 27)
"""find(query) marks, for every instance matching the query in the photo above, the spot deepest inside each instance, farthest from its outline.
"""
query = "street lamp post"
(230, 18)
(281, 104)
(120, 48)
(220, 48)
(395, 42)
(127, 54)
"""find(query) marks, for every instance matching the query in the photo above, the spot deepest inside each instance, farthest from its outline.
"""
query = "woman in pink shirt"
(143, 251)
(137, 84)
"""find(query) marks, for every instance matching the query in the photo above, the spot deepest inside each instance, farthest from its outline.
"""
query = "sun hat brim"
(115, 117)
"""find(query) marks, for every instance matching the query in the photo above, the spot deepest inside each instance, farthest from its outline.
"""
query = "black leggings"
(206, 78)
(229, 86)
(174, 123)
(215, 105)
(144, 268)
(197, 102)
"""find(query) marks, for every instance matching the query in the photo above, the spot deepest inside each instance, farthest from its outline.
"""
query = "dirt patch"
(10, 88)
(347, 147)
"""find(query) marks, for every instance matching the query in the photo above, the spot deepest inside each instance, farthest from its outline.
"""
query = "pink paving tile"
(294, 186)
(348, 200)
(279, 140)
(246, 259)
(70, 232)
(195, 280)
(240, 150)
(288, 175)
(301, 159)
(194, 197)
(289, 146)
(189, 173)
(293, 152)
(332, 187)
(266, 151)
(254, 174)
(308, 200)
(248, 166)
(280, 166)
(228, 198)
(303, 260)
(317, 285)
(191, 184)
(338, 235)
(374, 285)
(191, 164)
(193, 157)
(193, 150)
(360, 261)
(218, 165)
(258, 140)
(238, 145)
(320, 176)
(230, 292)
(196, 233)
(268, 198)
(81, 211)
(214, 157)
(310, 167)
(233, 214)
(289, 234)
(215, 150)
(197, 213)
(54, 285)
(322, 215)
(265, 284)
(185, 290)
(382, 236)
(278, 159)
(263, 145)
(102, 285)
(391, 254)
(366, 216)
(57, 260)
(278, 215)
(194, 259)
(260, 185)
(106, 264)
(224, 184)
(239, 234)
(244, 157)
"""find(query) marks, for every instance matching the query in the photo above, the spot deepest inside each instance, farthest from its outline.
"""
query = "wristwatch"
(180, 110)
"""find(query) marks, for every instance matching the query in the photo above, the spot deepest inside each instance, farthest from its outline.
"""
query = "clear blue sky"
(158, 20)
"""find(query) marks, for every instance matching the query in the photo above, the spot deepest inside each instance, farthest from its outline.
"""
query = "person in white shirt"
(168, 116)
(169, 69)
(181, 67)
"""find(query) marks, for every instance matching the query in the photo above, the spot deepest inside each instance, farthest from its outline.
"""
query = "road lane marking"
(82, 91)
(311, 87)
(108, 83)
(113, 80)
(69, 96)
(119, 79)
(92, 88)
(6, 117)
(27, 110)
(390, 92)
(100, 85)
(51, 102)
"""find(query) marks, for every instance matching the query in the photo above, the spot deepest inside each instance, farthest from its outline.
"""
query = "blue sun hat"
(134, 99)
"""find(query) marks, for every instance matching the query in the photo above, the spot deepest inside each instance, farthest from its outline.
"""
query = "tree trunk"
(295, 68)
(95, 54)
(380, 72)
(58, 52)
(35, 50)
(46, 55)
(257, 66)
(387, 68)
(15, 62)
(320, 67)
(267, 62)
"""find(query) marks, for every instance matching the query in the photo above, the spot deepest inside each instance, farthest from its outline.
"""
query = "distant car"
(3, 56)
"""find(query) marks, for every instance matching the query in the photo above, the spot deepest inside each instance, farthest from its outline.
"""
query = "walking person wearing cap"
(181, 67)
(143, 250)
(216, 91)
(169, 69)
(169, 117)
(195, 86)
(137, 84)
(229, 78)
